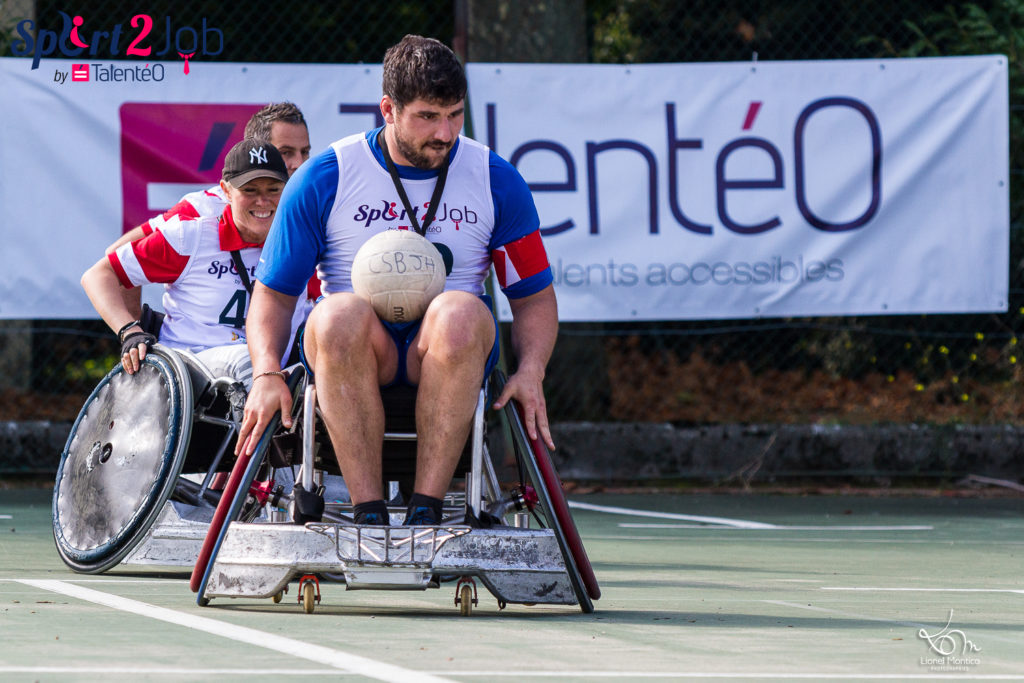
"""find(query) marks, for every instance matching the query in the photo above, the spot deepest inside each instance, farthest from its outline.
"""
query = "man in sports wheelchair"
(418, 158)
(357, 367)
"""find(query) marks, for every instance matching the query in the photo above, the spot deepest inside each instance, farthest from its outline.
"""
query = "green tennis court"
(724, 587)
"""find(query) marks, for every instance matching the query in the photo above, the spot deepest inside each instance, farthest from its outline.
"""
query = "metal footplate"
(517, 565)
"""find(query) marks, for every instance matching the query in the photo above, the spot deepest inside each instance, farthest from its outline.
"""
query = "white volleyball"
(399, 272)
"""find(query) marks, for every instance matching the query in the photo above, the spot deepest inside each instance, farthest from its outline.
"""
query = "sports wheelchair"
(138, 478)
(166, 501)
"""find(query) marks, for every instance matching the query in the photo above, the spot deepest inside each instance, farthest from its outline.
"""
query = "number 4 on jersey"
(234, 313)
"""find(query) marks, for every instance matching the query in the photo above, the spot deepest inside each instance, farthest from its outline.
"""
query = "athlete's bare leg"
(447, 360)
(352, 355)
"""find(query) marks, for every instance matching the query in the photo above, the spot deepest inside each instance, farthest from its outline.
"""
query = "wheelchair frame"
(515, 563)
(121, 497)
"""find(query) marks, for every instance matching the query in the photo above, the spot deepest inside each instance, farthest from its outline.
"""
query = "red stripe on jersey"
(147, 229)
(498, 259)
(313, 288)
(527, 255)
(158, 259)
(122, 276)
(183, 209)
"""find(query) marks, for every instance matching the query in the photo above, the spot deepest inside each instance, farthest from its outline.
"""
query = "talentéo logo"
(74, 40)
(79, 72)
(162, 160)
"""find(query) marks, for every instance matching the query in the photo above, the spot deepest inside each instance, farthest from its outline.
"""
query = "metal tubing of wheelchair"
(308, 436)
(212, 471)
(491, 478)
(229, 387)
(474, 487)
(400, 436)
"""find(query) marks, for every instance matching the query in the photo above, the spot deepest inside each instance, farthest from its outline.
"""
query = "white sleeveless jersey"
(367, 203)
(204, 298)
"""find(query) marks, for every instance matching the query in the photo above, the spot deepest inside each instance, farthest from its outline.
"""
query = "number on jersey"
(234, 313)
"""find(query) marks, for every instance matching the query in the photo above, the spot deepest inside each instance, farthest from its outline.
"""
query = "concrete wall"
(772, 453)
(734, 454)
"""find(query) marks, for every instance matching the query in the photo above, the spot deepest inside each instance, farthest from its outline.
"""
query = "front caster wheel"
(308, 597)
(466, 600)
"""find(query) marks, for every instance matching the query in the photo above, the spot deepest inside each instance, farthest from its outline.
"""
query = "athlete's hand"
(133, 350)
(269, 395)
(527, 389)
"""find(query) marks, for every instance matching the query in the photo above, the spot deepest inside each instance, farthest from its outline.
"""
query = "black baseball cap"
(253, 158)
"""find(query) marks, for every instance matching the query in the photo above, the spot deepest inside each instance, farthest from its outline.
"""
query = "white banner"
(81, 160)
(666, 191)
(739, 190)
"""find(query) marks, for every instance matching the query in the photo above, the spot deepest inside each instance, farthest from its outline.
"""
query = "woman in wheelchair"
(206, 266)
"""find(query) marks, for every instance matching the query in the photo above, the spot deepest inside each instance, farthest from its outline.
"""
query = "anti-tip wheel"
(308, 597)
(466, 600)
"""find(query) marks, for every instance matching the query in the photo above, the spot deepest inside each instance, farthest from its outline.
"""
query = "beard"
(418, 156)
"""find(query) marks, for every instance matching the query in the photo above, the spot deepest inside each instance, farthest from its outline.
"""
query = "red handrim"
(560, 507)
(219, 517)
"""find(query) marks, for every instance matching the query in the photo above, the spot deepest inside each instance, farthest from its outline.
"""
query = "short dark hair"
(260, 123)
(426, 68)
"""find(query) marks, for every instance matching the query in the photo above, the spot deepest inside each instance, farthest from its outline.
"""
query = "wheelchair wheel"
(533, 457)
(121, 462)
(232, 501)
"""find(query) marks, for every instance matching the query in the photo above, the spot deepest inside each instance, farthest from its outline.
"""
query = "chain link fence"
(853, 370)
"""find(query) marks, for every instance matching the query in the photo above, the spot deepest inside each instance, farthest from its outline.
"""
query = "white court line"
(162, 582)
(751, 675)
(727, 522)
(315, 653)
(924, 590)
(786, 527)
(738, 523)
(818, 676)
(153, 671)
(6, 517)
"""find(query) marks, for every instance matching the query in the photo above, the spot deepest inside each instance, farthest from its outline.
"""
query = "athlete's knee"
(459, 326)
(341, 323)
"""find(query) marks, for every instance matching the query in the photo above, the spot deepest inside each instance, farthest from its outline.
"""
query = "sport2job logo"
(76, 38)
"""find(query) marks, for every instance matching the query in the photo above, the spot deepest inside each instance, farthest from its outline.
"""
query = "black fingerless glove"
(136, 338)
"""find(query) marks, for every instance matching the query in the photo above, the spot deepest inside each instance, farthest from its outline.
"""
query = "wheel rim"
(121, 462)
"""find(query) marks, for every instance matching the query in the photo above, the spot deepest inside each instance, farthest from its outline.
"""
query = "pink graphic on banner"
(165, 145)
(75, 38)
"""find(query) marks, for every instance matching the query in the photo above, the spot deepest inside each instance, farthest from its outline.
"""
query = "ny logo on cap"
(258, 156)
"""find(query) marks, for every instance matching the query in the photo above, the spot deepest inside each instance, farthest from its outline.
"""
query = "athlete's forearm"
(268, 327)
(534, 330)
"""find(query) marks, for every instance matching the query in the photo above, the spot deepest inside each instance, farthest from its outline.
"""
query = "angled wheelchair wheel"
(233, 498)
(536, 465)
(121, 462)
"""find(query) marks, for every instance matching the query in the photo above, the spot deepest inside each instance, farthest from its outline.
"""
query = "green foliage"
(90, 371)
(975, 28)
